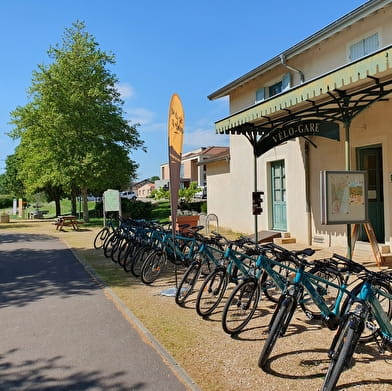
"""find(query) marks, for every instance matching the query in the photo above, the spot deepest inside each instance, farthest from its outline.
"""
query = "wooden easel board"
(372, 240)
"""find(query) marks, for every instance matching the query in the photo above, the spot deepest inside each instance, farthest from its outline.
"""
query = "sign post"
(175, 141)
(111, 203)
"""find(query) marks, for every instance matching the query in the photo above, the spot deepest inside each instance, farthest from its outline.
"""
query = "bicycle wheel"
(140, 255)
(152, 266)
(122, 252)
(129, 257)
(108, 245)
(101, 237)
(278, 324)
(187, 283)
(116, 248)
(240, 306)
(328, 292)
(371, 328)
(271, 290)
(211, 292)
(346, 342)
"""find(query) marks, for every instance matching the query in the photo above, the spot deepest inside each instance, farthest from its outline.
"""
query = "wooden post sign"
(175, 140)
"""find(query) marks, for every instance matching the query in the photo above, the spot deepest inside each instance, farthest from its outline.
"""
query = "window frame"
(362, 40)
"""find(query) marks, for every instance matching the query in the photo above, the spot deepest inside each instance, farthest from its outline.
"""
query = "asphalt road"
(60, 331)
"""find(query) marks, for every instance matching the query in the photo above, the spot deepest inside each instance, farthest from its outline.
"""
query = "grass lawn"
(160, 211)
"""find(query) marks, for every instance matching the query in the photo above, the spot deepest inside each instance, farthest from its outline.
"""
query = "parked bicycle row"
(343, 294)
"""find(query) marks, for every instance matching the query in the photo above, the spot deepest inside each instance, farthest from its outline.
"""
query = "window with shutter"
(280, 86)
(364, 46)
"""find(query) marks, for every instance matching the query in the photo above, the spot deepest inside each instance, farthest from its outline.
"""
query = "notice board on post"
(344, 197)
(111, 202)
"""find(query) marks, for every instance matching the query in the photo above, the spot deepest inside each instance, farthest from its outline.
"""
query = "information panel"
(344, 197)
(111, 199)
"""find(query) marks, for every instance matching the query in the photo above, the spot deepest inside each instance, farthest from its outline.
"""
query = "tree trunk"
(58, 206)
(73, 200)
(86, 217)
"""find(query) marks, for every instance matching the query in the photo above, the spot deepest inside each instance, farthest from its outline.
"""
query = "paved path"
(58, 330)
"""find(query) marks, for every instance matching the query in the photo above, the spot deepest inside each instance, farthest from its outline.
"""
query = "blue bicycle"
(368, 310)
(314, 286)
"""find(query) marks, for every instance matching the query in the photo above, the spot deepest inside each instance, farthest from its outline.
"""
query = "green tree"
(188, 193)
(10, 181)
(73, 132)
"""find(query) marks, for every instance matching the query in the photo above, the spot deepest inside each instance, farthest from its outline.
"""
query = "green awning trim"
(359, 83)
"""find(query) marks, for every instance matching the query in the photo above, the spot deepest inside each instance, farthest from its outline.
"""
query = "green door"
(278, 186)
(370, 160)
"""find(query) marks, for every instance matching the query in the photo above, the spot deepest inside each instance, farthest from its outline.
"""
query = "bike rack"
(209, 219)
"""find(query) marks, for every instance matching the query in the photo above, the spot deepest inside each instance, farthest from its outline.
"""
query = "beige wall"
(218, 178)
(165, 171)
(372, 127)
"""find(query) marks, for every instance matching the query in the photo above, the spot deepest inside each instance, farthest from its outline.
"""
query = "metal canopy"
(338, 96)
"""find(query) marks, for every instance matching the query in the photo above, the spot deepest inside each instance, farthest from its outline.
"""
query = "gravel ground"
(217, 361)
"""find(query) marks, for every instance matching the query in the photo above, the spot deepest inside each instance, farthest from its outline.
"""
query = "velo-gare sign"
(297, 129)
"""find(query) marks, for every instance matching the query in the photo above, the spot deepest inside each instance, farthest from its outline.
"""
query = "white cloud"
(125, 90)
(141, 116)
(204, 138)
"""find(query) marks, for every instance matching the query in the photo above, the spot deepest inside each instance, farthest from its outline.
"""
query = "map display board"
(344, 197)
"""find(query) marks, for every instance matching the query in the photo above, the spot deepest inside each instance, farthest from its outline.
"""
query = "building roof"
(328, 31)
(220, 153)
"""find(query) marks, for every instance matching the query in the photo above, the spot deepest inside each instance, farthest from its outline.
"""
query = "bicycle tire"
(100, 238)
(326, 290)
(107, 240)
(122, 252)
(116, 247)
(187, 283)
(140, 255)
(371, 327)
(152, 266)
(348, 338)
(108, 246)
(277, 325)
(129, 257)
(240, 306)
(211, 292)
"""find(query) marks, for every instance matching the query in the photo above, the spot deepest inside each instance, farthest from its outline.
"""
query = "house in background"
(193, 167)
(324, 104)
(143, 188)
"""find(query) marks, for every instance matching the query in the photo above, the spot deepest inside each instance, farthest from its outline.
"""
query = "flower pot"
(192, 220)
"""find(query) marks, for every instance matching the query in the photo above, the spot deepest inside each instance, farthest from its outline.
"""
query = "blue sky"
(191, 48)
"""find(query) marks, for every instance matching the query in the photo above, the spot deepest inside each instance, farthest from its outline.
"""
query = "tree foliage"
(10, 183)
(73, 134)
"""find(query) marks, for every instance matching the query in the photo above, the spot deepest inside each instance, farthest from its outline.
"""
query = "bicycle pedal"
(309, 315)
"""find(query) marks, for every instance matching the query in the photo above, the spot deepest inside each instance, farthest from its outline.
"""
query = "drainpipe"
(307, 192)
(284, 63)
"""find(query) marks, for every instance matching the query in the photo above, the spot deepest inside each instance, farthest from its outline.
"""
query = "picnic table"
(37, 214)
(67, 221)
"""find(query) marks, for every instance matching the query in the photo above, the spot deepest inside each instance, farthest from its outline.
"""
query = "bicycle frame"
(367, 295)
(235, 258)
